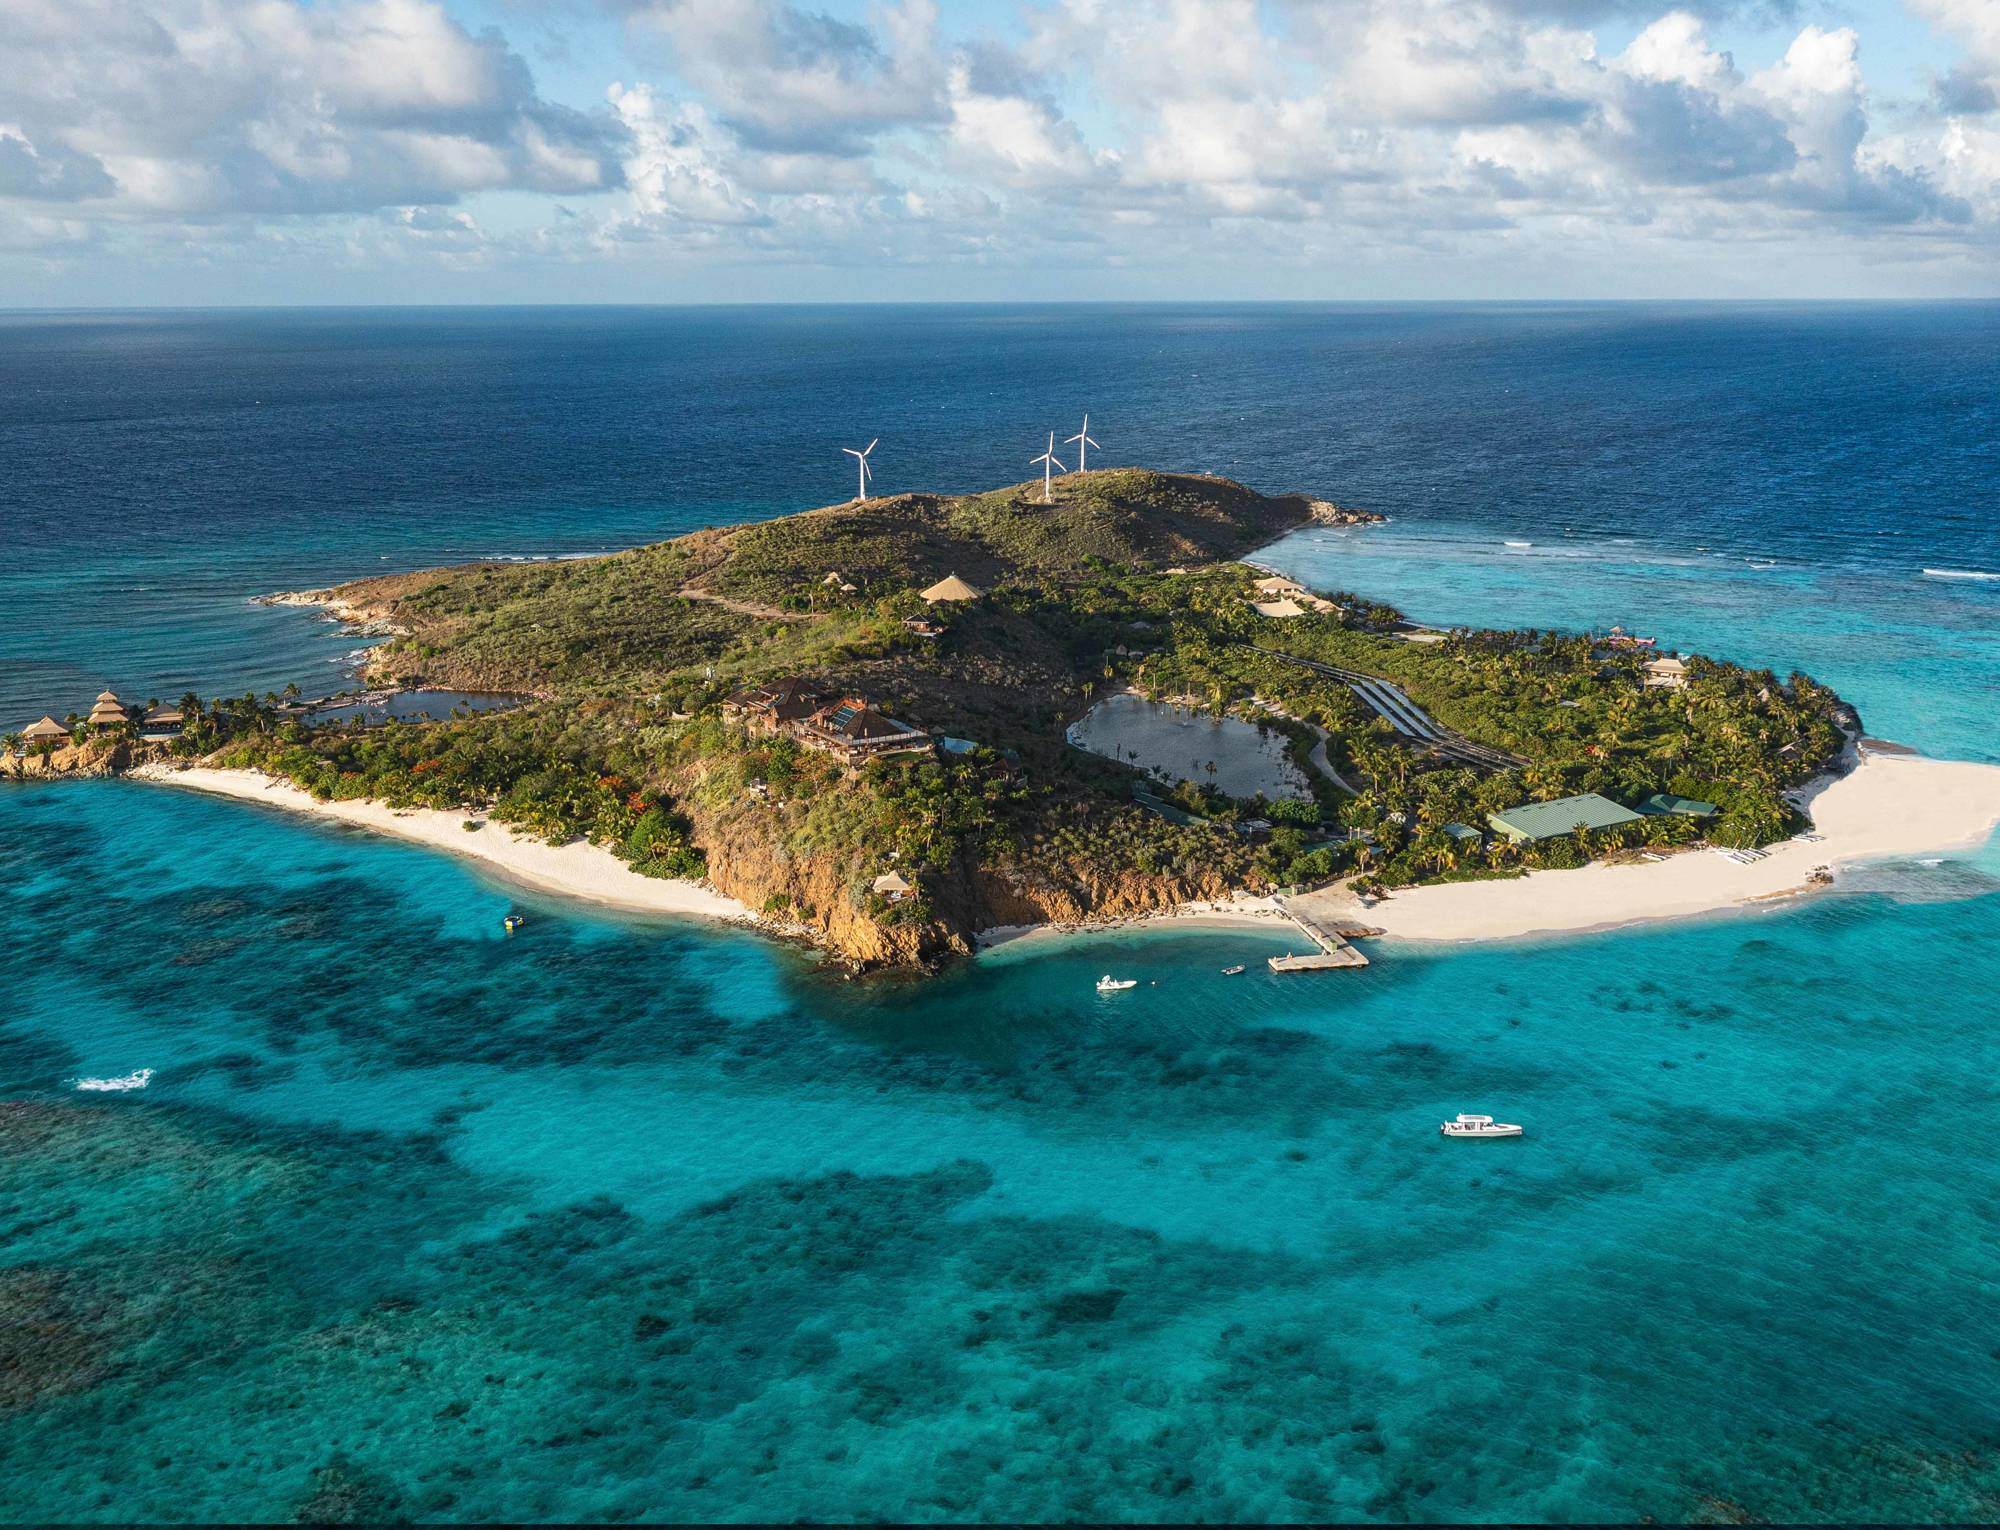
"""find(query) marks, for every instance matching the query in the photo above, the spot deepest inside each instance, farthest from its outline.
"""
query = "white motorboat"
(1479, 1126)
(1110, 984)
(135, 1080)
(1232, 971)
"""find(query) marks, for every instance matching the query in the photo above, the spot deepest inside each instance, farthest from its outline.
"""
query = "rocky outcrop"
(1014, 895)
(360, 617)
(73, 762)
(1326, 513)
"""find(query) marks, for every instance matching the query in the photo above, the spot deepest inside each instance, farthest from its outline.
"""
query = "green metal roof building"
(1552, 820)
(1667, 802)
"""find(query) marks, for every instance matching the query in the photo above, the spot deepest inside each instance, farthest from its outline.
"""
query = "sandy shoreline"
(577, 870)
(1224, 914)
(1891, 805)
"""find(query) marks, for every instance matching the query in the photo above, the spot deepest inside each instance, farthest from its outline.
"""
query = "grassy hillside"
(627, 621)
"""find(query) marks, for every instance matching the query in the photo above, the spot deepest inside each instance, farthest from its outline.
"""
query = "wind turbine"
(861, 461)
(1049, 465)
(1082, 439)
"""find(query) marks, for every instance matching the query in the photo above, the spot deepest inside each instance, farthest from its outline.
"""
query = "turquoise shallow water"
(611, 1219)
(617, 1220)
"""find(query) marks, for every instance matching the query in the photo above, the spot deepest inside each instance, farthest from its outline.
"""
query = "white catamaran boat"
(1110, 984)
(1479, 1126)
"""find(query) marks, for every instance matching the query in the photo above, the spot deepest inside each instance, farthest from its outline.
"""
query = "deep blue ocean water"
(617, 1219)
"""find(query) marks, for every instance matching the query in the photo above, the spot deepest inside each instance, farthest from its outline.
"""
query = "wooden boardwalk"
(1334, 951)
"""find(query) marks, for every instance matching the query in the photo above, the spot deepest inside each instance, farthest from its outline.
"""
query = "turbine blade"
(871, 446)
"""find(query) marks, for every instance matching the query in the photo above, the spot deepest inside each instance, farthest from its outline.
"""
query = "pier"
(1329, 936)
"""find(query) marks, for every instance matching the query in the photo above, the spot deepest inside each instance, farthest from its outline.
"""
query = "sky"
(203, 152)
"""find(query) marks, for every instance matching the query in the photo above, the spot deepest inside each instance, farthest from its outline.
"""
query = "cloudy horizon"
(266, 151)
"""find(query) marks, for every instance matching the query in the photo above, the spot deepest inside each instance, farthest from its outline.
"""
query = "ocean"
(615, 1219)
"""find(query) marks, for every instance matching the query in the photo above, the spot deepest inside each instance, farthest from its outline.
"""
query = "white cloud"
(1199, 135)
(790, 79)
(214, 107)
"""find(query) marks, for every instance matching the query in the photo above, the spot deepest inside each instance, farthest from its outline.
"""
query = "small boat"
(1232, 971)
(513, 922)
(1478, 1126)
(1110, 984)
(135, 1080)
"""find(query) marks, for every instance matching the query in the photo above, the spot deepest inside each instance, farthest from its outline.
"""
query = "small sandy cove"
(577, 869)
(1890, 806)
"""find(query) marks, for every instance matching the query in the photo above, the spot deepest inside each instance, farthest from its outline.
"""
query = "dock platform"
(1334, 951)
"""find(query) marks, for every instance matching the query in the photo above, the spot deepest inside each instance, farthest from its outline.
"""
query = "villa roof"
(781, 697)
(165, 715)
(1547, 820)
(854, 719)
(48, 727)
(107, 696)
(951, 587)
(1278, 608)
(1666, 664)
(1667, 802)
(892, 882)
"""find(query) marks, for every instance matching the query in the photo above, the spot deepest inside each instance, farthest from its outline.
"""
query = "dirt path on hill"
(742, 607)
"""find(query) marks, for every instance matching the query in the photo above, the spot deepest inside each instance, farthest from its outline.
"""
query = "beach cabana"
(891, 885)
(161, 723)
(951, 587)
(1666, 802)
(1551, 820)
(47, 731)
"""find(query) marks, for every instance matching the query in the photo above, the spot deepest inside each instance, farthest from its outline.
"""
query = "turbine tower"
(861, 461)
(1049, 465)
(1082, 439)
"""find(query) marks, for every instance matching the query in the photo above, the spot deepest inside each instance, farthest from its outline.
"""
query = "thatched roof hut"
(951, 587)
(48, 727)
(108, 710)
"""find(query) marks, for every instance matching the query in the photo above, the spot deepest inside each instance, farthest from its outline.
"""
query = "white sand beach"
(578, 870)
(1890, 806)
(1222, 914)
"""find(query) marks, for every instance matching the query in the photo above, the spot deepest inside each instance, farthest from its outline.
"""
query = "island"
(903, 725)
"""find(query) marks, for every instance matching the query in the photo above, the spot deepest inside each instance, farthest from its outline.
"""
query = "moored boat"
(1479, 1126)
(1110, 984)
(1232, 971)
(137, 1079)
